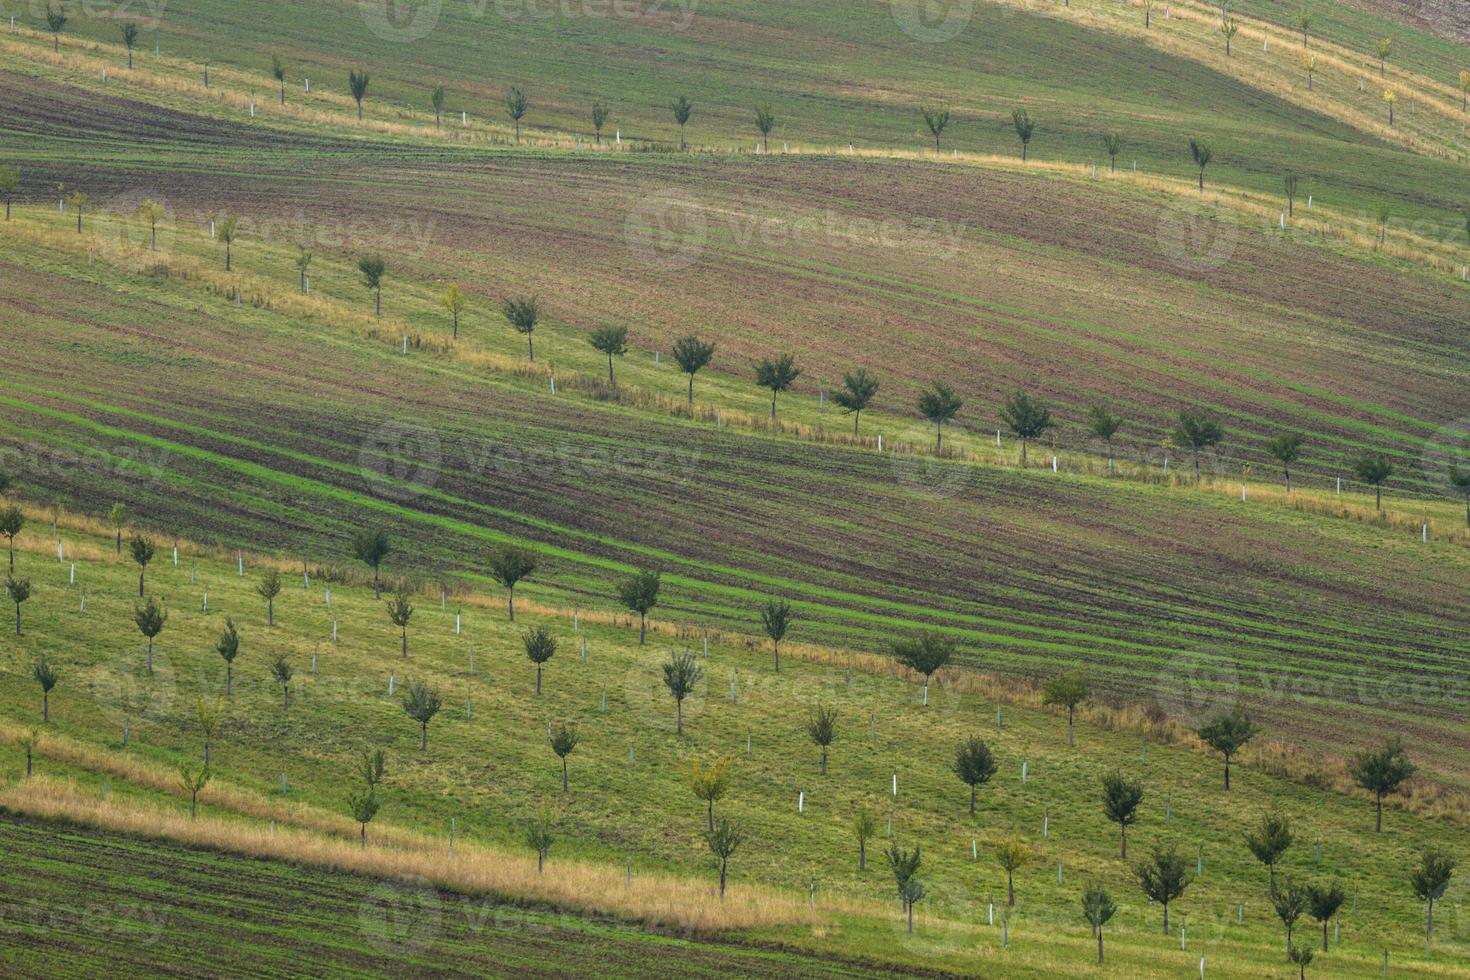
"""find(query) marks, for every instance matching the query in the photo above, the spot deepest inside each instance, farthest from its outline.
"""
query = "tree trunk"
(140, 579)
(46, 709)
(1324, 935)
(530, 348)
(824, 761)
(270, 612)
(773, 402)
(859, 412)
(227, 256)
(286, 697)
(423, 736)
(538, 679)
(150, 651)
(1099, 946)
(362, 837)
(206, 753)
(723, 867)
(1166, 918)
(776, 646)
(229, 680)
(862, 855)
(1023, 452)
(377, 584)
(972, 799)
(911, 918)
(405, 642)
(563, 774)
(610, 371)
(1227, 774)
(938, 436)
(1010, 888)
(1123, 851)
(1071, 740)
(709, 815)
(642, 628)
(510, 602)
(379, 299)
(679, 717)
(117, 544)
(1378, 496)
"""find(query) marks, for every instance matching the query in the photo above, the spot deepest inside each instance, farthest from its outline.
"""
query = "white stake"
(73, 573)
(895, 786)
(801, 802)
(391, 679)
(456, 624)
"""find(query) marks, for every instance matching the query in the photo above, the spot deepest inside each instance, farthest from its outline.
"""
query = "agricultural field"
(248, 315)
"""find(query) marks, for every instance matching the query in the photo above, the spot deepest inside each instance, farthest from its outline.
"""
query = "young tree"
(130, 38)
(682, 108)
(228, 647)
(1066, 690)
(523, 312)
(278, 72)
(939, 404)
(1286, 449)
(1163, 877)
(1429, 881)
(1148, 13)
(1460, 480)
(863, 828)
(639, 593)
(1025, 126)
(1226, 732)
(225, 229)
(1290, 182)
(821, 728)
(77, 201)
(421, 703)
(1383, 49)
(723, 841)
(46, 676)
(1028, 418)
(1228, 29)
(117, 517)
(209, 716)
(142, 549)
(778, 375)
(1381, 772)
(11, 523)
(453, 301)
(1098, 908)
(710, 782)
(924, 653)
(1112, 143)
(1011, 854)
(357, 83)
(1199, 431)
(1104, 424)
(303, 262)
(516, 105)
(974, 764)
(436, 99)
(1323, 901)
(364, 807)
(905, 866)
(539, 839)
(612, 341)
(1309, 62)
(28, 742)
(1465, 91)
(193, 783)
(400, 611)
(691, 353)
(1381, 213)
(19, 590)
(937, 119)
(1121, 798)
(150, 618)
(1290, 903)
(1304, 20)
(681, 673)
(370, 546)
(152, 212)
(599, 119)
(371, 269)
(9, 186)
(1202, 153)
(281, 671)
(765, 121)
(1390, 99)
(1374, 469)
(776, 618)
(509, 564)
(268, 588)
(55, 21)
(540, 647)
(857, 391)
(1270, 840)
(1301, 957)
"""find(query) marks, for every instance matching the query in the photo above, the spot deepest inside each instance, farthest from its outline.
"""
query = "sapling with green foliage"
(821, 728)
(599, 119)
(563, 740)
(152, 212)
(1103, 424)
(639, 593)
(364, 805)
(863, 828)
(681, 673)
(117, 518)
(281, 670)
(1269, 841)
(776, 619)
(936, 118)
(905, 867)
(516, 104)
(400, 611)
(55, 20)
(1323, 902)
(925, 653)
(209, 716)
(1098, 908)
(12, 521)
(1301, 957)
(46, 676)
(18, 590)
(778, 374)
(28, 742)
(268, 588)
(278, 72)
(939, 404)
(692, 354)
(1025, 126)
(611, 341)
(974, 764)
(1113, 143)
(509, 565)
(1028, 418)
(370, 546)
(1430, 880)
(1201, 153)
(709, 782)
(523, 313)
(1164, 877)
(193, 781)
(1290, 904)
(130, 38)
(1374, 469)
(539, 838)
(1121, 799)
(1460, 480)
(142, 549)
(1226, 733)
(9, 186)
(765, 121)
(436, 99)
(357, 84)
(723, 842)
(225, 230)
(1197, 431)
(370, 269)
(78, 201)
(856, 393)
(1066, 691)
(1381, 772)
(421, 703)
(1229, 27)
(540, 647)
(681, 107)
(454, 302)
(1286, 449)
(1383, 49)
(1382, 211)
(150, 618)
(303, 262)
(1012, 854)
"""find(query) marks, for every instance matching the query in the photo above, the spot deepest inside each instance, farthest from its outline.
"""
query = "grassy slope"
(491, 772)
